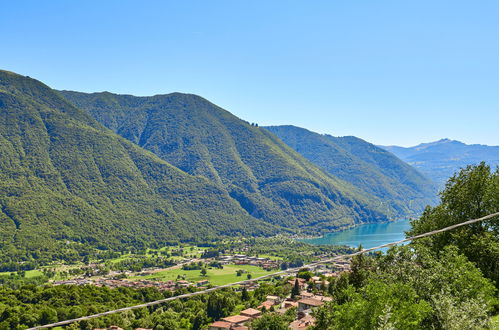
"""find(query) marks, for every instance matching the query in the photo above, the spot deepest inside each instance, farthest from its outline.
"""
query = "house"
(301, 282)
(308, 303)
(183, 284)
(306, 294)
(322, 298)
(251, 313)
(237, 319)
(319, 284)
(266, 304)
(274, 299)
(302, 323)
(220, 325)
(202, 283)
(289, 304)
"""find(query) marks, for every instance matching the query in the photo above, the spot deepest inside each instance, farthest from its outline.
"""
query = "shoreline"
(307, 237)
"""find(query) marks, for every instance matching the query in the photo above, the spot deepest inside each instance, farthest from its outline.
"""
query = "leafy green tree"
(375, 304)
(47, 315)
(472, 193)
(270, 321)
(305, 274)
(199, 320)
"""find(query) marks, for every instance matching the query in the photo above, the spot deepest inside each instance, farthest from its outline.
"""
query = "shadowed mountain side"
(266, 177)
(65, 179)
(367, 167)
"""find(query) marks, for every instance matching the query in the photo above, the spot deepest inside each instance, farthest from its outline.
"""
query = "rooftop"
(221, 324)
(236, 319)
(251, 312)
(310, 302)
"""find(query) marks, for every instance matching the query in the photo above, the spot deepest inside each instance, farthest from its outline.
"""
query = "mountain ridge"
(264, 175)
(67, 183)
(441, 159)
(364, 165)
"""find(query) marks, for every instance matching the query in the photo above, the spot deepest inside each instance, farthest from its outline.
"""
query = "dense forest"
(446, 281)
(267, 178)
(364, 165)
(69, 186)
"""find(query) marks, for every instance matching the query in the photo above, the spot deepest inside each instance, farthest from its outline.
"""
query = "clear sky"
(390, 72)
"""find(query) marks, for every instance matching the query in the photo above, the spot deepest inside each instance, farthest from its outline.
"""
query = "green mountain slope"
(266, 177)
(439, 160)
(65, 179)
(364, 165)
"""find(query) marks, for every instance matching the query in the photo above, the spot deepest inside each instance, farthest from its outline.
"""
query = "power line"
(291, 270)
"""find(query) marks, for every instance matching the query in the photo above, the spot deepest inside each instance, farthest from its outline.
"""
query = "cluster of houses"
(115, 283)
(242, 259)
(304, 319)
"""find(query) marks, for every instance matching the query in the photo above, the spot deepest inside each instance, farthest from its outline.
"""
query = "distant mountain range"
(81, 171)
(441, 159)
(364, 165)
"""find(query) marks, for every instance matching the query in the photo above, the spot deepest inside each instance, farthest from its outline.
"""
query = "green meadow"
(214, 275)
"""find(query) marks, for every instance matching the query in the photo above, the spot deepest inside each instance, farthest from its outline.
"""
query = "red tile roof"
(236, 319)
(251, 312)
(221, 324)
(266, 305)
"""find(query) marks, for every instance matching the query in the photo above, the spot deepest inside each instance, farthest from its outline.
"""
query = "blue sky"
(390, 72)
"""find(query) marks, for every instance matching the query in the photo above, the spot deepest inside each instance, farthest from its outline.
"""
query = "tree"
(203, 271)
(295, 292)
(376, 303)
(215, 306)
(199, 320)
(305, 274)
(245, 295)
(472, 193)
(248, 276)
(270, 321)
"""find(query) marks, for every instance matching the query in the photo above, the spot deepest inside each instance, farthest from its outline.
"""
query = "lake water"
(368, 235)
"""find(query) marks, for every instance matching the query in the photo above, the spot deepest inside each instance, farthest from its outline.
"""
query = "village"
(311, 290)
(147, 279)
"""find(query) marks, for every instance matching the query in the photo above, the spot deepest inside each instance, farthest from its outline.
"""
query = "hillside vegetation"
(364, 165)
(267, 178)
(66, 183)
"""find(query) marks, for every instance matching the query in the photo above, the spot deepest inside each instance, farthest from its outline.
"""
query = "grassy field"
(215, 276)
(29, 273)
(190, 251)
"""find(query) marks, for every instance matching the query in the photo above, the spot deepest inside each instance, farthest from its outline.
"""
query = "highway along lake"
(369, 235)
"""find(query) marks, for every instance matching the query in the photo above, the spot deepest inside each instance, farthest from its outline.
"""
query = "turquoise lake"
(368, 235)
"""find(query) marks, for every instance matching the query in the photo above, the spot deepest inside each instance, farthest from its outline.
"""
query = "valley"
(109, 201)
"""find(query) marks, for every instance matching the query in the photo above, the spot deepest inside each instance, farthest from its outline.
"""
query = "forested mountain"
(364, 165)
(67, 180)
(440, 159)
(266, 177)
